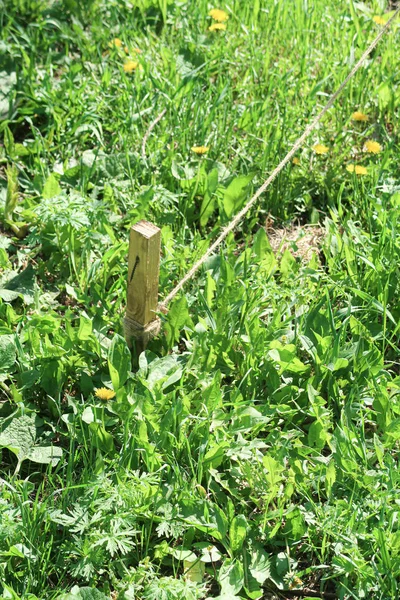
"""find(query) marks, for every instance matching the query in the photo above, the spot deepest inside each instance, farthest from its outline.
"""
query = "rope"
(149, 130)
(227, 230)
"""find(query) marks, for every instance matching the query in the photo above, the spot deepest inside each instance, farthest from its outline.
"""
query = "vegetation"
(253, 451)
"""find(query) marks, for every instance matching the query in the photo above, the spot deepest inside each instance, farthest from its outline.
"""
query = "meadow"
(252, 451)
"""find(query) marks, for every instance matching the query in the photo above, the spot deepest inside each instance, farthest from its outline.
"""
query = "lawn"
(252, 451)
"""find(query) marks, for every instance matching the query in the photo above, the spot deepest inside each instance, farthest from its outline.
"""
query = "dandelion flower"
(357, 169)
(373, 147)
(217, 27)
(320, 149)
(359, 116)
(378, 20)
(296, 161)
(218, 15)
(116, 42)
(200, 149)
(130, 66)
(104, 394)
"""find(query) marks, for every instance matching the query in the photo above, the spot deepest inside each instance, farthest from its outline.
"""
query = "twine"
(238, 218)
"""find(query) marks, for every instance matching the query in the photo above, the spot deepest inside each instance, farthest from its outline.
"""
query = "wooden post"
(141, 323)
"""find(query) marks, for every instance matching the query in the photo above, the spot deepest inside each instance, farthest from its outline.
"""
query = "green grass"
(258, 436)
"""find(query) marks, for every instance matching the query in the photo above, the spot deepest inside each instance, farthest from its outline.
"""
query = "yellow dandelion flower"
(218, 15)
(200, 149)
(296, 161)
(320, 149)
(359, 116)
(130, 66)
(378, 20)
(217, 27)
(357, 169)
(104, 394)
(373, 147)
(116, 42)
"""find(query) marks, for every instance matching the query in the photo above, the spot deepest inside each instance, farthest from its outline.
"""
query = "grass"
(253, 452)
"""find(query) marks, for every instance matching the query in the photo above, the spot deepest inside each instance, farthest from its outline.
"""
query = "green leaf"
(260, 565)
(23, 284)
(9, 143)
(237, 533)
(286, 357)
(288, 264)
(209, 200)
(295, 526)
(12, 192)
(8, 353)
(45, 455)
(119, 361)
(101, 438)
(330, 476)
(8, 295)
(84, 593)
(230, 577)
(19, 436)
(317, 435)
(215, 455)
(261, 245)
(181, 553)
(51, 187)
(85, 328)
(236, 193)
(178, 316)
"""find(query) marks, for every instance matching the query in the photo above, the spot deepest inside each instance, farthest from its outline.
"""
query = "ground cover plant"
(252, 450)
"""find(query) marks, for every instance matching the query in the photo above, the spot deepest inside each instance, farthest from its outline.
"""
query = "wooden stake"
(141, 323)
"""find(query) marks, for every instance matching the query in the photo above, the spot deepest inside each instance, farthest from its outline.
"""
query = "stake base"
(140, 334)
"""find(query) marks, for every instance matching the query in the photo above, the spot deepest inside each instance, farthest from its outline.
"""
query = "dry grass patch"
(301, 240)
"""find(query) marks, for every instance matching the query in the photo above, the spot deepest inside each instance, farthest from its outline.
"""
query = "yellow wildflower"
(359, 116)
(378, 20)
(217, 27)
(104, 394)
(320, 149)
(373, 147)
(200, 149)
(218, 15)
(116, 42)
(357, 169)
(296, 161)
(130, 66)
